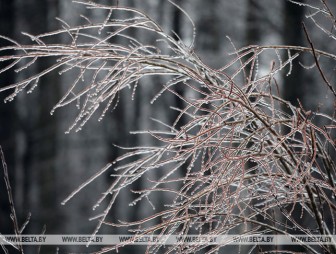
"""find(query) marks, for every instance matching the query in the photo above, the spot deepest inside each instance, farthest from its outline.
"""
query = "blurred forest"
(45, 164)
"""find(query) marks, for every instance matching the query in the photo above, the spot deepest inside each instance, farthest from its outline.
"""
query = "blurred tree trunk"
(8, 124)
(180, 89)
(48, 93)
(253, 31)
(294, 86)
(122, 120)
(253, 36)
(253, 22)
(38, 127)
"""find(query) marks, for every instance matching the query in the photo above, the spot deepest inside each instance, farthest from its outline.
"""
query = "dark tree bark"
(46, 152)
(293, 87)
(253, 22)
(39, 128)
(209, 27)
(293, 35)
(253, 37)
(177, 24)
(8, 124)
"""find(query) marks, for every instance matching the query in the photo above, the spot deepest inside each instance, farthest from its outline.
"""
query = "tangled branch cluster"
(251, 161)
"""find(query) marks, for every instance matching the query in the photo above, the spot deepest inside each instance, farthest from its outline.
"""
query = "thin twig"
(10, 197)
(317, 62)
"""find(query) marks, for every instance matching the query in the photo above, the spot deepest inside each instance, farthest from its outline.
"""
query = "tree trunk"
(8, 122)
(293, 35)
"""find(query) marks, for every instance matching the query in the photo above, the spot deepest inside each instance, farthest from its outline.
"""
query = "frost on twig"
(18, 231)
